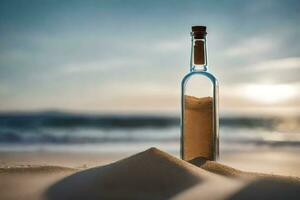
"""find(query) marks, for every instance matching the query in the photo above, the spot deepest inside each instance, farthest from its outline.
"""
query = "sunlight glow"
(263, 93)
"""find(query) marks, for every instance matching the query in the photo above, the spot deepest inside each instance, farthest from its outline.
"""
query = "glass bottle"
(199, 104)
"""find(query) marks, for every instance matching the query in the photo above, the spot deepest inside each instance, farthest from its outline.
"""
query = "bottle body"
(199, 116)
(199, 104)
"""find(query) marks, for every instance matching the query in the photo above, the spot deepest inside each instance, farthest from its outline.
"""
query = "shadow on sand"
(258, 185)
(269, 189)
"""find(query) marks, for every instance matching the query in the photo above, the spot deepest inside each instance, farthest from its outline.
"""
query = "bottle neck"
(198, 54)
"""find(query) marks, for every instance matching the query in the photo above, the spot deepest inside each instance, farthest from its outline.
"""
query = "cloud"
(278, 64)
(252, 46)
(171, 45)
(269, 93)
(100, 66)
(272, 71)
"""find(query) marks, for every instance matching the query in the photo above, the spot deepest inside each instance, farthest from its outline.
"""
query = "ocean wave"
(30, 120)
(66, 128)
(64, 120)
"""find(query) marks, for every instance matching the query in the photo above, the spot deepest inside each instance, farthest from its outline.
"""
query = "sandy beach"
(149, 100)
(151, 174)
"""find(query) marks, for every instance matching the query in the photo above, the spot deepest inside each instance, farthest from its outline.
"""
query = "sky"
(130, 56)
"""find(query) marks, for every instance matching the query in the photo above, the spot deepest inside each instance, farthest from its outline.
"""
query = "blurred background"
(104, 76)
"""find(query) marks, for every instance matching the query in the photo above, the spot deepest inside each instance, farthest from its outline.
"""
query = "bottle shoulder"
(200, 73)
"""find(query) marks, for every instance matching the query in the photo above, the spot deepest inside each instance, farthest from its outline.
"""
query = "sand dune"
(154, 174)
(151, 174)
(227, 171)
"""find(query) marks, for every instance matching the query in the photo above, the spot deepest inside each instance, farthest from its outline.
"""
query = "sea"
(109, 133)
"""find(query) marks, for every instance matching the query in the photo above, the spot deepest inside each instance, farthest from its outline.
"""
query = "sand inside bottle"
(198, 127)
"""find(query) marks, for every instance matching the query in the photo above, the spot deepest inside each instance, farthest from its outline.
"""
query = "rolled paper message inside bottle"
(199, 52)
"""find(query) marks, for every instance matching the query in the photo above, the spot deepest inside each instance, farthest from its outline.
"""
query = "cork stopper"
(199, 32)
